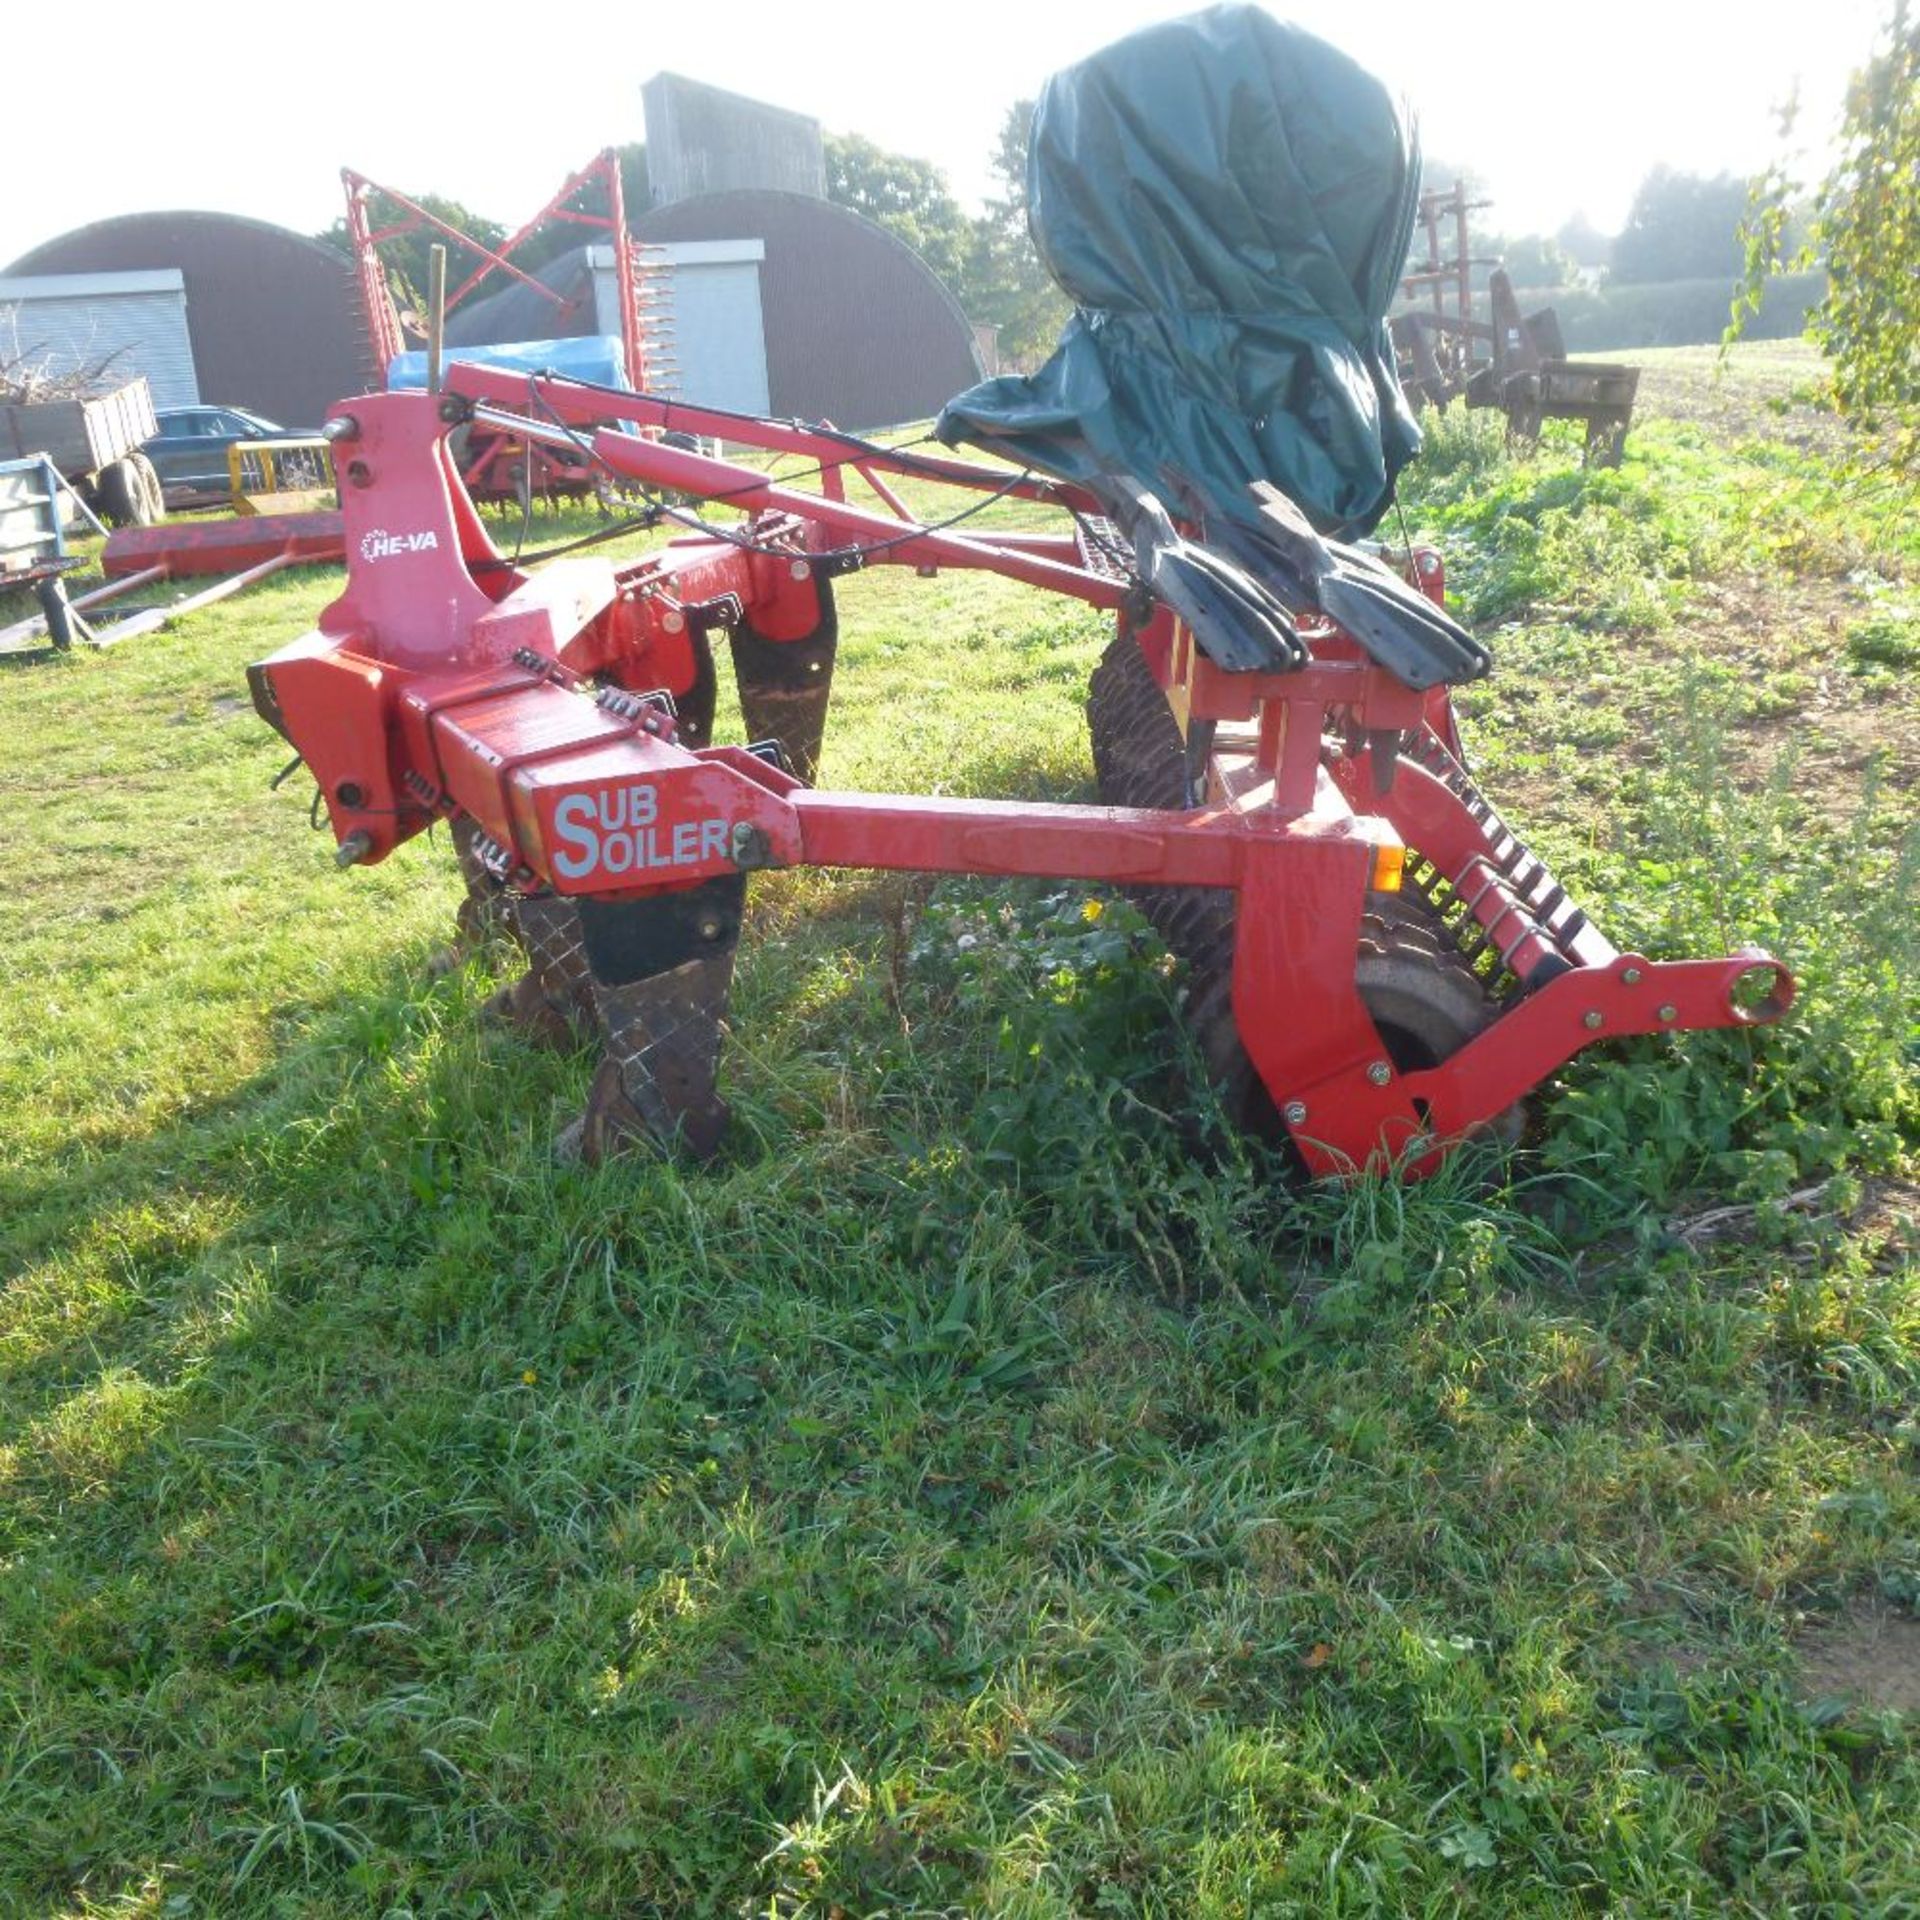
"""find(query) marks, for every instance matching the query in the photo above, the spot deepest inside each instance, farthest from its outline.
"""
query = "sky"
(254, 109)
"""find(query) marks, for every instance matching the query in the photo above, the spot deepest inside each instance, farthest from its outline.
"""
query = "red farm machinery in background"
(235, 552)
(1380, 968)
(593, 202)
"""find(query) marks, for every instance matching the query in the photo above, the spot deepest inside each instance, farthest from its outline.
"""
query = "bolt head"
(1669, 1013)
(1630, 976)
(1591, 1019)
(709, 929)
(1294, 1113)
(750, 847)
(1379, 1073)
(353, 849)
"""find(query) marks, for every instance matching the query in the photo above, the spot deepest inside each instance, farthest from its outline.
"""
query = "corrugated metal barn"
(779, 303)
(703, 139)
(134, 322)
(272, 318)
(854, 326)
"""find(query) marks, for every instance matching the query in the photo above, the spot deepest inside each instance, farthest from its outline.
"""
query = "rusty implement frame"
(1507, 360)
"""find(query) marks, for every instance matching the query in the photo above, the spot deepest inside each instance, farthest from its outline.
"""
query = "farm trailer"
(75, 457)
(94, 442)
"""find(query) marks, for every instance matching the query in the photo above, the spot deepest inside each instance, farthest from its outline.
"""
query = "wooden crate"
(81, 436)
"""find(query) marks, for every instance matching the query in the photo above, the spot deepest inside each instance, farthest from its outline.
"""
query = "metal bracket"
(629, 940)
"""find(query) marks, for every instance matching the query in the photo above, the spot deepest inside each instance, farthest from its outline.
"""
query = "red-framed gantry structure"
(593, 200)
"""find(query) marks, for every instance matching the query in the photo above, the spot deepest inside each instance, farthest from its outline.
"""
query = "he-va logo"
(382, 545)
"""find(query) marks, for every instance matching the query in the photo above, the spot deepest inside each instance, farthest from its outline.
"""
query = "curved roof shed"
(274, 317)
(858, 329)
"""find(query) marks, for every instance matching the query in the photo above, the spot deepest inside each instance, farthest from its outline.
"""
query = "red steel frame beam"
(224, 546)
(444, 681)
(583, 405)
(604, 808)
(384, 333)
(892, 540)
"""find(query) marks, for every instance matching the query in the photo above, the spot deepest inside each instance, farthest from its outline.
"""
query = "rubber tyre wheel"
(1424, 998)
(119, 493)
(154, 499)
(129, 494)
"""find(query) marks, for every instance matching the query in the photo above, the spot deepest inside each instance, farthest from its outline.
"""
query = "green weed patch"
(994, 1486)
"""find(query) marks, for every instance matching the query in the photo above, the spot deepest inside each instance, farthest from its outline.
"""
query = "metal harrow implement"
(1380, 967)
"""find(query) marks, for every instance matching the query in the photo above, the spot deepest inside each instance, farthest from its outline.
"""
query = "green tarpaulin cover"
(1228, 201)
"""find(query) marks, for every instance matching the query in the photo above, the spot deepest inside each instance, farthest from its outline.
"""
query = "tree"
(562, 236)
(1439, 176)
(1535, 260)
(1683, 226)
(1864, 226)
(1583, 243)
(1008, 285)
(909, 197)
(405, 255)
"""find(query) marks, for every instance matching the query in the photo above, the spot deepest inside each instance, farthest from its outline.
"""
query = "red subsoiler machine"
(1380, 968)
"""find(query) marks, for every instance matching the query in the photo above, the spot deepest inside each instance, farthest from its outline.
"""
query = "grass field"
(962, 1498)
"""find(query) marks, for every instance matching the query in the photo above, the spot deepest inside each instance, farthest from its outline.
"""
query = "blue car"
(190, 451)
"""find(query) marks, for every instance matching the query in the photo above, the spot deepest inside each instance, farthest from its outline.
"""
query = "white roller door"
(717, 350)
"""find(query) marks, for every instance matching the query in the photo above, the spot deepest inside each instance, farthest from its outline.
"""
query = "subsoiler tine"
(658, 1080)
(785, 689)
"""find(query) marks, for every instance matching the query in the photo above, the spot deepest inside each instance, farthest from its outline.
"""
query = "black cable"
(641, 523)
(539, 399)
(855, 555)
(927, 469)
(526, 498)
(317, 811)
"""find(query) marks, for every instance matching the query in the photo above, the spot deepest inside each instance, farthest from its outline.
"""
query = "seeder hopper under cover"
(1379, 966)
